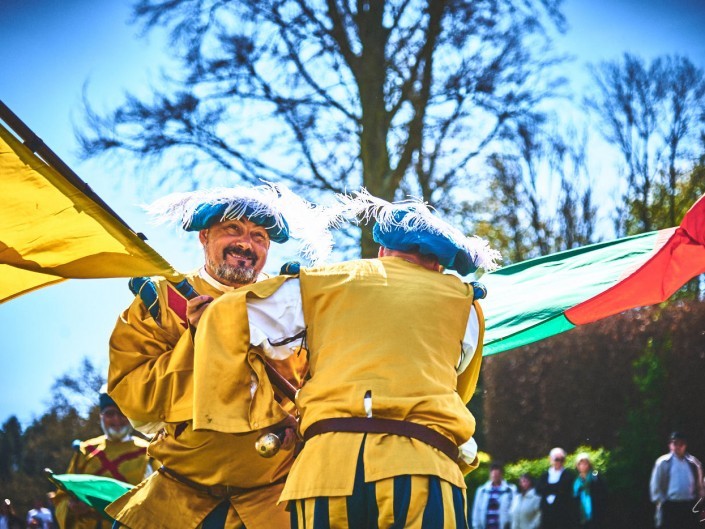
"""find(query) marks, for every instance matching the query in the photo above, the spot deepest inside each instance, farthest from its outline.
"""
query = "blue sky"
(53, 48)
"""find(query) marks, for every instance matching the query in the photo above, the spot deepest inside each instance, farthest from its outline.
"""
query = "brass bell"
(267, 445)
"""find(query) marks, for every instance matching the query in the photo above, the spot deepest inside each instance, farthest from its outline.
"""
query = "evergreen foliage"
(47, 442)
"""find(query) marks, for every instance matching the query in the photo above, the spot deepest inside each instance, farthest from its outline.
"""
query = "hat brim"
(206, 215)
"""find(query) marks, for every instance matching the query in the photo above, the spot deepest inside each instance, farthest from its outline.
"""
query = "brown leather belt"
(390, 426)
(215, 491)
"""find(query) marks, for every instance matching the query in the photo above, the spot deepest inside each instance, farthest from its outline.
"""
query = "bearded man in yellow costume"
(394, 349)
(212, 475)
(116, 454)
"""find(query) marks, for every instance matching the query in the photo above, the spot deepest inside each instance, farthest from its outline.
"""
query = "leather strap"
(278, 381)
(390, 426)
(215, 491)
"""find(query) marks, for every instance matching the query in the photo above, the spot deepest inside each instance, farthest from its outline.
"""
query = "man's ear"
(203, 236)
(381, 252)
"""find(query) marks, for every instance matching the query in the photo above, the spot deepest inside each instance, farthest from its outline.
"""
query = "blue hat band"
(208, 214)
(449, 255)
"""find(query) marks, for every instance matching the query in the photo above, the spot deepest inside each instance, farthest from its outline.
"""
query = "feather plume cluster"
(362, 207)
(308, 224)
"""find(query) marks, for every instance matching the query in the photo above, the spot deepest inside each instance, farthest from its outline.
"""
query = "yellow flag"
(50, 230)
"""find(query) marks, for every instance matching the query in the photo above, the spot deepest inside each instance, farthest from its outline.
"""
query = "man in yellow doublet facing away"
(394, 349)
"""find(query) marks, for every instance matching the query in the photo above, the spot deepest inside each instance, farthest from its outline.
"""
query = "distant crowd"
(560, 498)
(565, 499)
(40, 516)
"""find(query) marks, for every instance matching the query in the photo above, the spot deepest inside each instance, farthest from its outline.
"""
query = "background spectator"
(590, 493)
(525, 511)
(116, 454)
(492, 501)
(41, 515)
(555, 486)
(677, 486)
(8, 516)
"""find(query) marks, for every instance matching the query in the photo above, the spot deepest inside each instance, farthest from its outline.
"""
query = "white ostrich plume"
(362, 207)
(308, 224)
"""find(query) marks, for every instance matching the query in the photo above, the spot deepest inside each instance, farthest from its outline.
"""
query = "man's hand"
(290, 437)
(195, 308)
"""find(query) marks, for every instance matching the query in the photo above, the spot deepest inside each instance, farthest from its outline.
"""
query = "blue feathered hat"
(273, 206)
(411, 226)
(199, 210)
(105, 400)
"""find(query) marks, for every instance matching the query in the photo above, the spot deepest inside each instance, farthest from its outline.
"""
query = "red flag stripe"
(681, 258)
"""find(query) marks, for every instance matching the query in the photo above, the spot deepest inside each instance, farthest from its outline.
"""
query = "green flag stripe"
(522, 298)
(543, 330)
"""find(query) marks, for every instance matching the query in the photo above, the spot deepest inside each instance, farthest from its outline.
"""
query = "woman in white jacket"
(525, 511)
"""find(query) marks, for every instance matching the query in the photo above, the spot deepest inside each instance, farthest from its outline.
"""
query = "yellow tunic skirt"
(407, 501)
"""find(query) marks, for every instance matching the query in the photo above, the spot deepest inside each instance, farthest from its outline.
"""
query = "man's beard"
(115, 434)
(234, 274)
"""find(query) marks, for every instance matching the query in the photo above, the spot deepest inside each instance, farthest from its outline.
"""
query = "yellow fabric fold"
(224, 364)
(50, 230)
(151, 365)
(162, 503)
(467, 380)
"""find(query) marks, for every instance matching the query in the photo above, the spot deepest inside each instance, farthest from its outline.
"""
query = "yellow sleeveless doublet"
(393, 329)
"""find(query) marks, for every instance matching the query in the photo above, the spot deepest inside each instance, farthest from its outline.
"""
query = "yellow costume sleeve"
(465, 468)
(75, 466)
(61, 498)
(151, 367)
(63, 513)
(467, 380)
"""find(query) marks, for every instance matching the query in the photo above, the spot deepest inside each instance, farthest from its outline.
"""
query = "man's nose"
(244, 242)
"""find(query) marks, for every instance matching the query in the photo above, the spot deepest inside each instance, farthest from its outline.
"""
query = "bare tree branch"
(330, 95)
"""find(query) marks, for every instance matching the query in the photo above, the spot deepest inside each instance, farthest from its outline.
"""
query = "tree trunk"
(374, 151)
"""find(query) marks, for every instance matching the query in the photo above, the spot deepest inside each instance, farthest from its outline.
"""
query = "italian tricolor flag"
(535, 299)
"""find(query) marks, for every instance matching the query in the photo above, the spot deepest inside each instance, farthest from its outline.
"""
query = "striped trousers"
(413, 502)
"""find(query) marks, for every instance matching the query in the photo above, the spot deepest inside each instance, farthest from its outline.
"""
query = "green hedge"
(599, 457)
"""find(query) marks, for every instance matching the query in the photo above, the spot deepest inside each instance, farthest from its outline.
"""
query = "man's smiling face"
(236, 251)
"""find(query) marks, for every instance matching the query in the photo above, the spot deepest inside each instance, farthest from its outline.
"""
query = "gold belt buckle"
(219, 491)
